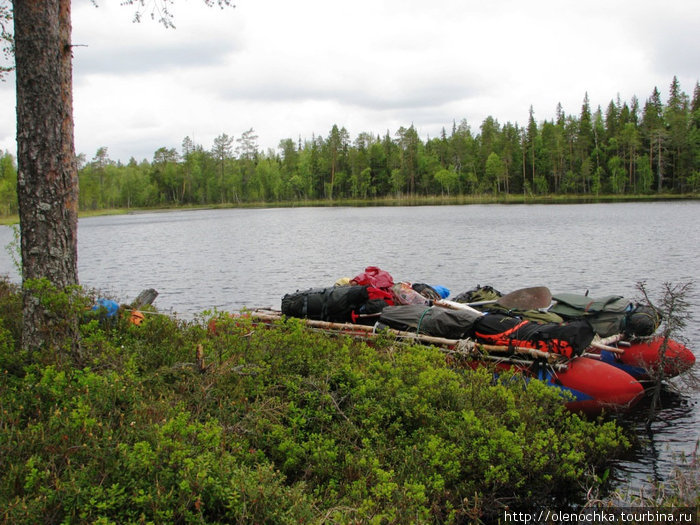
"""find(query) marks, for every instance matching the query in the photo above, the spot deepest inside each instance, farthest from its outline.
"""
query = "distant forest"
(622, 149)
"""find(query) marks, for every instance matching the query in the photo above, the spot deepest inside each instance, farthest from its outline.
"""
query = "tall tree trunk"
(524, 167)
(659, 166)
(47, 181)
(533, 165)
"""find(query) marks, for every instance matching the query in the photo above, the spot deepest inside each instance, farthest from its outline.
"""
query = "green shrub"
(276, 425)
(11, 307)
(395, 428)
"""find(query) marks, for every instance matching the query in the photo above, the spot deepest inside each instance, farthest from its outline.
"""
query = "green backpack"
(606, 315)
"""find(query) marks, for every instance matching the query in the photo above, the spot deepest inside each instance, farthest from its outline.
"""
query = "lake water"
(231, 259)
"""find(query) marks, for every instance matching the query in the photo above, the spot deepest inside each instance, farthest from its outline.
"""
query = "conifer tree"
(531, 141)
(655, 133)
(677, 120)
(586, 140)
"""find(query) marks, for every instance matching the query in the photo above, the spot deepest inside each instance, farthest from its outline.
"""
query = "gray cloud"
(400, 91)
(678, 54)
(135, 60)
(288, 69)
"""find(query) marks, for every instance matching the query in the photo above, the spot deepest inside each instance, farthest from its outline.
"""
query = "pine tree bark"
(47, 181)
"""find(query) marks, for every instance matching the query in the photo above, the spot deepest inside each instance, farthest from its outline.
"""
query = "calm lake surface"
(231, 259)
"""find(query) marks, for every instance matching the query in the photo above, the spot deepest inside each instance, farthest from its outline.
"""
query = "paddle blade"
(532, 298)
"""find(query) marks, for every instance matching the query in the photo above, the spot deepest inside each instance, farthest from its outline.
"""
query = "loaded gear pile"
(600, 350)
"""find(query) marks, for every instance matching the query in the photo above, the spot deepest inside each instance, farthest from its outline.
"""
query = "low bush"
(178, 422)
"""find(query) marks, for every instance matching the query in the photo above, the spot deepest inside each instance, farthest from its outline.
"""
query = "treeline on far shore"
(625, 149)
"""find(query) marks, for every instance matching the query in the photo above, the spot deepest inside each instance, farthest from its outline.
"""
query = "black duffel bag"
(430, 320)
(305, 304)
(342, 301)
(334, 304)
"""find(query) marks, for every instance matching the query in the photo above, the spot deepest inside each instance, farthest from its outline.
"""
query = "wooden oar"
(532, 298)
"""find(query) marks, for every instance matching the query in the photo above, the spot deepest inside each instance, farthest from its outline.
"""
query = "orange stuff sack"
(136, 318)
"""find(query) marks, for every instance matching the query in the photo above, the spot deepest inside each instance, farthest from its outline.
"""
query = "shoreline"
(392, 201)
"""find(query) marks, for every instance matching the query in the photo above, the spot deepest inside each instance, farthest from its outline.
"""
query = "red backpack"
(375, 277)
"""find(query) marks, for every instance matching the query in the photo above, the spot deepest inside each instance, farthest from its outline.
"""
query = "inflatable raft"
(641, 358)
(594, 385)
(599, 350)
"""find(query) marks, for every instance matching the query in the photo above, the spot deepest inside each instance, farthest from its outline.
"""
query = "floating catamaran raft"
(599, 350)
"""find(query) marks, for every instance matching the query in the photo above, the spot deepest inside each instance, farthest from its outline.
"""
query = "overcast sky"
(291, 69)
